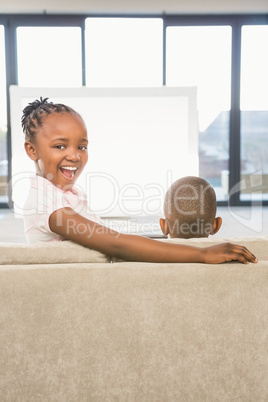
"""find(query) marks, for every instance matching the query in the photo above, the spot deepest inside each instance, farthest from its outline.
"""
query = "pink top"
(43, 199)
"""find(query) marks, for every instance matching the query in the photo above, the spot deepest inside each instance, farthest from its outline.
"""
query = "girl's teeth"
(69, 168)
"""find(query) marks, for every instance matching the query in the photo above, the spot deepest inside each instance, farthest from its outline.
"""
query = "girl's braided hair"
(32, 117)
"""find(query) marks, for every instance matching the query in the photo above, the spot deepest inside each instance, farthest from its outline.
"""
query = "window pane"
(254, 113)
(3, 120)
(49, 56)
(201, 57)
(124, 52)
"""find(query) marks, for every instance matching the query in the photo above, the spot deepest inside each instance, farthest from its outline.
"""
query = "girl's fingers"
(245, 255)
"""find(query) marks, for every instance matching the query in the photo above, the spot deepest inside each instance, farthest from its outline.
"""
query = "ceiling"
(134, 6)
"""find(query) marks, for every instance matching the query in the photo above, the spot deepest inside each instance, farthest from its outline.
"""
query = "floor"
(237, 221)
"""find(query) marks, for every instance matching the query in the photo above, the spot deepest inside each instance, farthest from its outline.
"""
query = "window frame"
(12, 21)
(236, 22)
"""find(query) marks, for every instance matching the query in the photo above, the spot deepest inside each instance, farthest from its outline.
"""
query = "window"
(124, 52)
(201, 56)
(223, 56)
(3, 120)
(254, 113)
(49, 56)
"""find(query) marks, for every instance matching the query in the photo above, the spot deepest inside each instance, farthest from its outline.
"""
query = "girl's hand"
(228, 252)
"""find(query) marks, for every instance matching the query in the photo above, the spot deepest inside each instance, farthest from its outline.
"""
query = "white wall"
(134, 6)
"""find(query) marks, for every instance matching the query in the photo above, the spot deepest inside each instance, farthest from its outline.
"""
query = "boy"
(190, 209)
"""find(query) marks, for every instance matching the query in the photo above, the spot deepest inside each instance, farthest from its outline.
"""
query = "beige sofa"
(76, 327)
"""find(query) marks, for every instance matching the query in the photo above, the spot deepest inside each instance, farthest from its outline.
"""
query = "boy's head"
(56, 140)
(190, 209)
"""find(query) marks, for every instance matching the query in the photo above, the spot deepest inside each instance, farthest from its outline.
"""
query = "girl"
(56, 140)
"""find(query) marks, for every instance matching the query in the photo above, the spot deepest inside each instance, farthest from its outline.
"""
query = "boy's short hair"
(190, 207)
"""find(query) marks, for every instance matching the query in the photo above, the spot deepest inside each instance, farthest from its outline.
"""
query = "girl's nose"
(73, 155)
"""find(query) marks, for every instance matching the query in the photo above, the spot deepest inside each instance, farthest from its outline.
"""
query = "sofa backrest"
(70, 252)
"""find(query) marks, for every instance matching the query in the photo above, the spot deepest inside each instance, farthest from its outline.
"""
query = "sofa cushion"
(48, 253)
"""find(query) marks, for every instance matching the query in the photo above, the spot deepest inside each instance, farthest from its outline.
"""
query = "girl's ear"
(164, 226)
(30, 150)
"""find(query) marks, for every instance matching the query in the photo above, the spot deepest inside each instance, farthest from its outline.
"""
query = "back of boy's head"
(34, 114)
(190, 208)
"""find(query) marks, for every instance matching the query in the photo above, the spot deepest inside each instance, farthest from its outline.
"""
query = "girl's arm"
(72, 226)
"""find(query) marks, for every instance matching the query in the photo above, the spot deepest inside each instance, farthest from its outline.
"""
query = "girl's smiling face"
(59, 149)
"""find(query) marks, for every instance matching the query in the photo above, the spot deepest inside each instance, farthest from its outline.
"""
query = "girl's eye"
(83, 148)
(59, 146)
